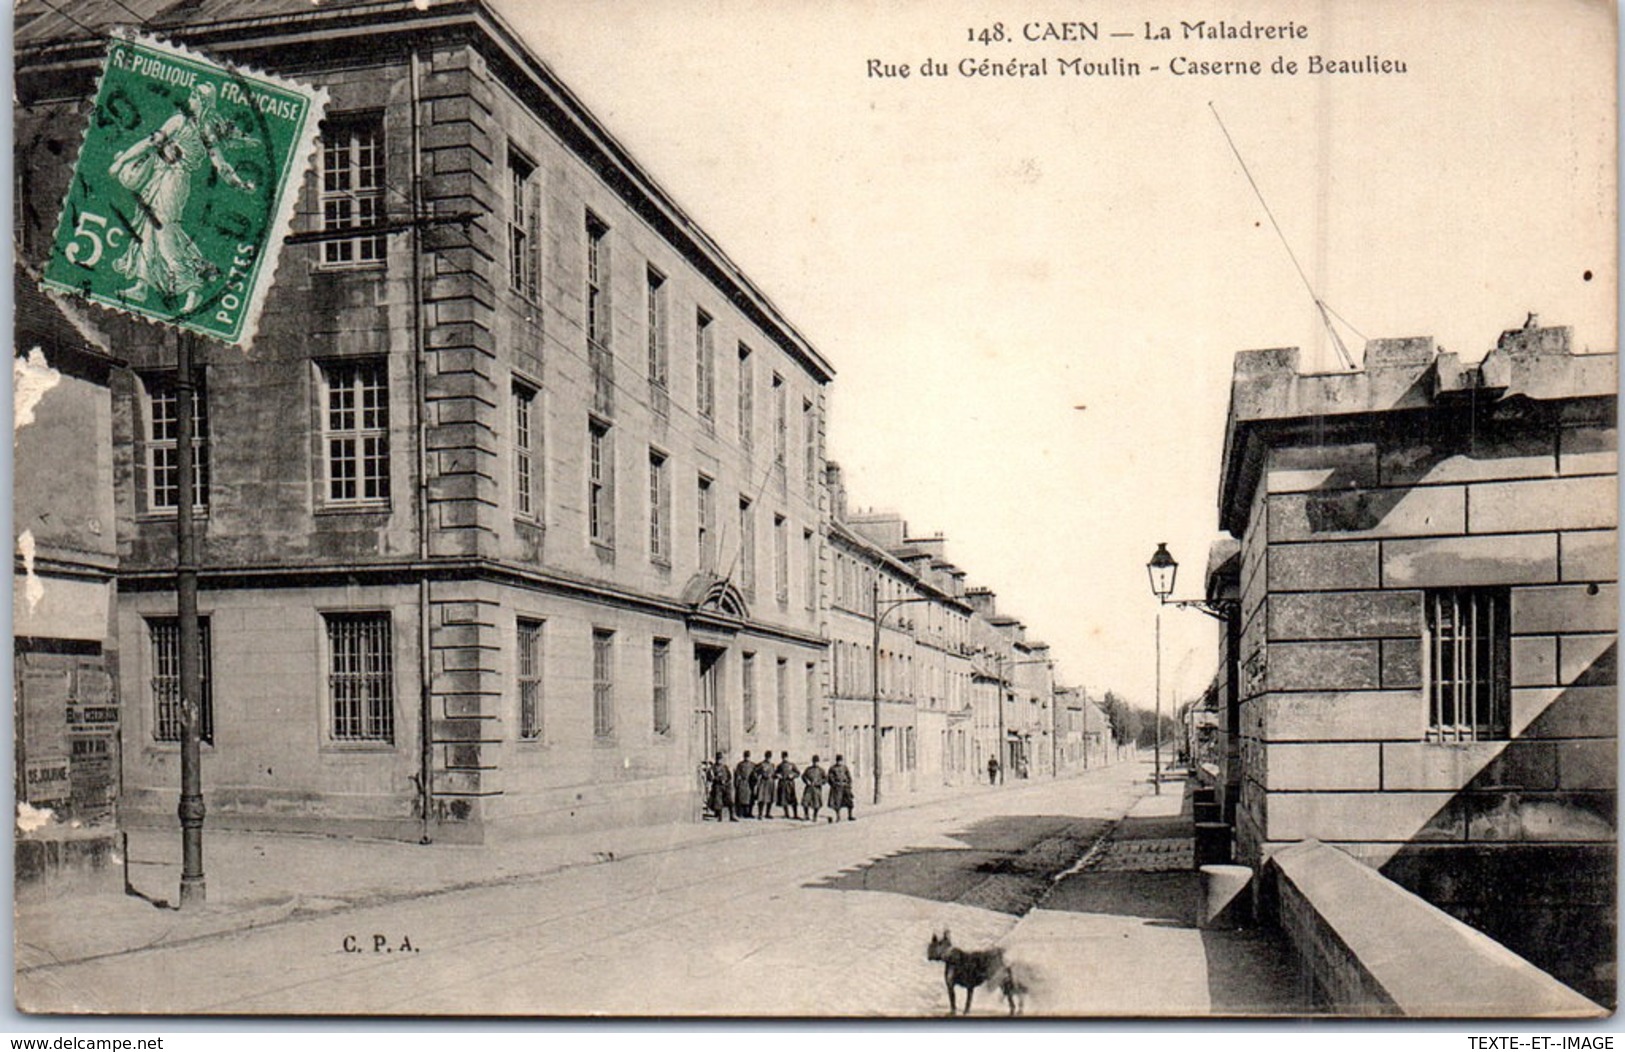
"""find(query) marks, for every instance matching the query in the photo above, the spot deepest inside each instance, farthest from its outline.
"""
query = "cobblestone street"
(788, 919)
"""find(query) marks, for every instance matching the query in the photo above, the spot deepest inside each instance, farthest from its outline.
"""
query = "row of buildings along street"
(507, 523)
(519, 512)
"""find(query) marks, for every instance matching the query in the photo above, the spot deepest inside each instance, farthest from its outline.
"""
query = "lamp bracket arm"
(1218, 609)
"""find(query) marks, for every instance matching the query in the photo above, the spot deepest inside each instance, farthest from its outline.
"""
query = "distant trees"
(1124, 719)
(1131, 724)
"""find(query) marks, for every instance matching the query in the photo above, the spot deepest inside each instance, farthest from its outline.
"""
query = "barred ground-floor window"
(360, 678)
(530, 679)
(660, 672)
(1467, 654)
(164, 634)
(603, 683)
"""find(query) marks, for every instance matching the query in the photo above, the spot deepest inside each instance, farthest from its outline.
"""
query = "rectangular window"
(165, 635)
(597, 299)
(747, 547)
(529, 655)
(357, 432)
(600, 484)
(659, 365)
(163, 430)
(705, 368)
(352, 195)
(781, 694)
(781, 422)
(809, 441)
(659, 673)
(603, 683)
(811, 696)
(1467, 652)
(526, 484)
(747, 398)
(522, 220)
(659, 515)
(360, 679)
(809, 563)
(781, 559)
(706, 530)
(747, 705)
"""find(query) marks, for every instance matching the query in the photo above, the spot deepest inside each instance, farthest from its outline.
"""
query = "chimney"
(837, 490)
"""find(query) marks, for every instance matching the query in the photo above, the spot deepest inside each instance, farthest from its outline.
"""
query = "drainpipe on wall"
(426, 701)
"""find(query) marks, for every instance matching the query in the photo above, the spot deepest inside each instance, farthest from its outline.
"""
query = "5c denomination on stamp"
(184, 188)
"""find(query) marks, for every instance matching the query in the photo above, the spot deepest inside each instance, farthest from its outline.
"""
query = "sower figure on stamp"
(812, 793)
(761, 783)
(786, 776)
(719, 789)
(158, 170)
(840, 789)
(743, 771)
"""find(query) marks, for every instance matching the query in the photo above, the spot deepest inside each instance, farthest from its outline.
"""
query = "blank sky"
(979, 256)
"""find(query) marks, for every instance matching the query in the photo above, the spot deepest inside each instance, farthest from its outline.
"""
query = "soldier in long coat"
(812, 793)
(719, 789)
(840, 789)
(787, 775)
(743, 771)
(761, 782)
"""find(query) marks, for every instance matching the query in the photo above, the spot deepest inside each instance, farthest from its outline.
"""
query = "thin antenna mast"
(1320, 304)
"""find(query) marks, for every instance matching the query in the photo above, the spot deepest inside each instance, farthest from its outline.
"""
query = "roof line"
(286, 28)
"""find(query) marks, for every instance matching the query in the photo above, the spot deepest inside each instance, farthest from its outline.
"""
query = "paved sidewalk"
(260, 879)
(1118, 936)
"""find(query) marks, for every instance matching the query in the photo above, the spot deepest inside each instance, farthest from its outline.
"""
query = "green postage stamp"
(184, 188)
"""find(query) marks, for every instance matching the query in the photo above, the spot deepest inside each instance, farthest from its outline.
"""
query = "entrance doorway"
(710, 714)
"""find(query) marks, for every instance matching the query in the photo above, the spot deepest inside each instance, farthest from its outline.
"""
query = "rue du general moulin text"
(1200, 36)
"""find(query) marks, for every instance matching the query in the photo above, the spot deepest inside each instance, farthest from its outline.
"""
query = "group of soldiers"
(752, 789)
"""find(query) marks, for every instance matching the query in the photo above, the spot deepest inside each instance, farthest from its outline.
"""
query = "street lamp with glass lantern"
(1162, 569)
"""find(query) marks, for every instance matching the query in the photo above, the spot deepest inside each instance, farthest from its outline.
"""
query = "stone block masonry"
(1429, 620)
(460, 304)
(1370, 947)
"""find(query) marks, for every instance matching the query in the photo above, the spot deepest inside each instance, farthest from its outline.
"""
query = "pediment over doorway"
(708, 594)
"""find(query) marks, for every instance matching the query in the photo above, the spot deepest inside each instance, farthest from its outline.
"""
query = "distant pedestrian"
(992, 770)
(812, 793)
(743, 770)
(840, 790)
(786, 777)
(762, 786)
(719, 789)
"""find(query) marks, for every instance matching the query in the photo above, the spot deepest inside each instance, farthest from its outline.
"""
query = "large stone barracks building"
(1423, 667)
(513, 512)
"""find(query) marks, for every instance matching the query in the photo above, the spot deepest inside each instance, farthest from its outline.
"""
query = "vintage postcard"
(815, 509)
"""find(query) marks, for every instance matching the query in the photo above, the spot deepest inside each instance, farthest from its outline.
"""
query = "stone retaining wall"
(1372, 948)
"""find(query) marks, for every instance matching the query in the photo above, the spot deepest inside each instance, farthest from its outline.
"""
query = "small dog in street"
(972, 968)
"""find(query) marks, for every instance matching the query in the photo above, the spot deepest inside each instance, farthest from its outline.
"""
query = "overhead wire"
(1320, 304)
(94, 32)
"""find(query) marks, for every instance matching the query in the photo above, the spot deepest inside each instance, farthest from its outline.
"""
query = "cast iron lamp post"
(1161, 569)
(874, 662)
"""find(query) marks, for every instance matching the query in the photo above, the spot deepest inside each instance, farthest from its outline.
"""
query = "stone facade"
(581, 541)
(516, 512)
(924, 657)
(1424, 653)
